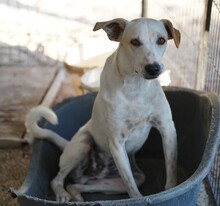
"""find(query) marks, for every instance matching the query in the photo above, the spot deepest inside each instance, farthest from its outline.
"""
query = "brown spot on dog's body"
(122, 135)
(155, 121)
(129, 124)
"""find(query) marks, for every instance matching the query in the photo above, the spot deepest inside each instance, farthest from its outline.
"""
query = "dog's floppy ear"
(114, 28)
(172, 32)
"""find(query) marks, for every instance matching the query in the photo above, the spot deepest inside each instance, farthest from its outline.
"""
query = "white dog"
(100, 156)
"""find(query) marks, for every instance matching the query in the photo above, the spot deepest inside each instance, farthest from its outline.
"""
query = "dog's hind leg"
(111, 183)
(106, 185)
(72, 155)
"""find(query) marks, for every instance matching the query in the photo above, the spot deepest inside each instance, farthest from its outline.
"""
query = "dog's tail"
(35, 131)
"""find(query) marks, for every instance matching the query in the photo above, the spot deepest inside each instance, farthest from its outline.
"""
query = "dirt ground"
(13, 170)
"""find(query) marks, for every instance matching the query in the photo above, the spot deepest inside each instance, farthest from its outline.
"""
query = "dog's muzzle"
(152, 71)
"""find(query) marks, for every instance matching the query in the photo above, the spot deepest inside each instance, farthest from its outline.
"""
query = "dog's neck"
(127, 73)
(122, 78)
(123, 64)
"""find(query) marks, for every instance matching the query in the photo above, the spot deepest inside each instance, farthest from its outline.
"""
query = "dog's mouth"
(152, 76)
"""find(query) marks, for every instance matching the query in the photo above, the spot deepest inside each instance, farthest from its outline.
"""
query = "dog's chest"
(123, 112)
(134, 126)
(132, 119)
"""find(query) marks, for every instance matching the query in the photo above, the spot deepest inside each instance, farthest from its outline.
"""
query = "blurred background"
(47, 33)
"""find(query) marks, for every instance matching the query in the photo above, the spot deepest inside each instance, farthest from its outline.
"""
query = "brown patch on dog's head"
(114, 28)
(172, 32)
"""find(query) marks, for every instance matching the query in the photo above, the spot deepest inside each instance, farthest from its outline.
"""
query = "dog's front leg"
(169, 140)
(121, 160)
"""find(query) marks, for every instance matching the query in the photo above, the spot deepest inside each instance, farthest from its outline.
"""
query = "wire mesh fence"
(197, 63)
(212, 80)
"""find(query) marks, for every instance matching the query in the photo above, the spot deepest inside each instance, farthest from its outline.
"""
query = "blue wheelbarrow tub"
(196, 116)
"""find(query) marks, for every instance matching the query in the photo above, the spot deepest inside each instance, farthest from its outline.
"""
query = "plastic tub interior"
(196, 117)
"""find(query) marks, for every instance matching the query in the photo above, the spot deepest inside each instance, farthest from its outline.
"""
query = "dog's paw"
(75, 194)
(170, 184)
(63, 197)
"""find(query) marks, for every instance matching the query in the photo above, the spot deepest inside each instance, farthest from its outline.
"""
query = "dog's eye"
(161, 41)
(135, 42)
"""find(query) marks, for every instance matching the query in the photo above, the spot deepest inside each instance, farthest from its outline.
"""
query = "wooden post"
(143, 8)
(200, 80)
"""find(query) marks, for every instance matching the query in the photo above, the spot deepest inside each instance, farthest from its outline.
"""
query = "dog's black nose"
(152, 70)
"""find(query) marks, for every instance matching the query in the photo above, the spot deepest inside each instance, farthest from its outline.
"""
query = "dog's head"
(143, 42)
